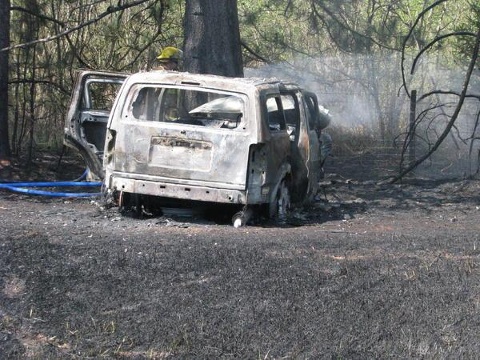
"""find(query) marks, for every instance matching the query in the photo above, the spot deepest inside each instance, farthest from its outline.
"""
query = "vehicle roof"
(207, 80)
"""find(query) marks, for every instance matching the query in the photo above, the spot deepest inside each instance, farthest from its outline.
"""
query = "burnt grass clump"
(367, 271)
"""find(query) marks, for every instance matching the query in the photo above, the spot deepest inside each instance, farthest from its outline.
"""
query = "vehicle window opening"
(292, 114)
(99, 95)
(311, 112)
(143, 107)
(96, 102)
(185, 106)
(275, 115)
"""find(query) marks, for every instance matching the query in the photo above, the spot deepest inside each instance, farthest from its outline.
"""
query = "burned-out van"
(245, 144)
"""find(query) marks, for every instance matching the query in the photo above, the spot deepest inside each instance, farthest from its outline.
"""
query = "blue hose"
(52, 183)
(83, 176)
(22, 187)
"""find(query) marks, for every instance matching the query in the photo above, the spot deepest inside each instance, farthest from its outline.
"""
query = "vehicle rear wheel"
(280, 204)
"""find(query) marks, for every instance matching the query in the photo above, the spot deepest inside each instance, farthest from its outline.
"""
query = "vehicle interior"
(186, 106)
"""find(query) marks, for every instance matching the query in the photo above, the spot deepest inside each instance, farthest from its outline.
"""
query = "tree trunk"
(4, 42)
(212, 38)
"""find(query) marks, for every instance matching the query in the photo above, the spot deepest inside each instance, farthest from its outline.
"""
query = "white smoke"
(365, 91)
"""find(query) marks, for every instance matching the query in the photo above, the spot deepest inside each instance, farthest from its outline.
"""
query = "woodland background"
(362, 58)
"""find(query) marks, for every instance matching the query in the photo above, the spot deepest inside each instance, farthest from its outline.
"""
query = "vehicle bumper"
(171, 190)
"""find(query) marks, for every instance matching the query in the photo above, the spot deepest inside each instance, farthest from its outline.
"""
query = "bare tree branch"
(40, 16)
(443, 92)
(345, 26)
(434, 41)
(454, 117)
(251, 51)
(110, 10)
(412, 29)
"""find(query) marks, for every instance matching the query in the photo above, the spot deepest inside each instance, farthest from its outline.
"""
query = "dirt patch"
(366, 271)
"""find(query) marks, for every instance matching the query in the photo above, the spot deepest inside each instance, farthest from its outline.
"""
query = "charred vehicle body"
(246, 144)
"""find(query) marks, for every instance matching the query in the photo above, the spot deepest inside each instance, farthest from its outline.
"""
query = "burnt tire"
(280, 205)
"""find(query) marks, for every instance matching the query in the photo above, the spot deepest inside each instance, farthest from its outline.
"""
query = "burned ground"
(366, 271)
